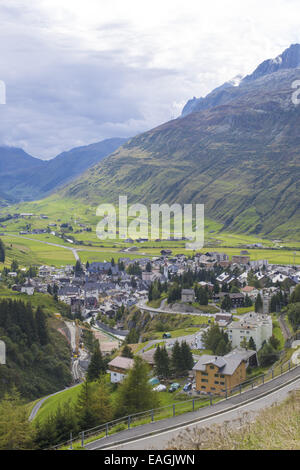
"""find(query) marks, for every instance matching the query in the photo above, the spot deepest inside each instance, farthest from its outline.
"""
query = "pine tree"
(221, 348)
(187, 357)
(165, 363)
(226, 303)
(2, 251)
(127, 352)
(258, 304)
(176, 358)
(135, 392)
(84, 407)
(252, 344)
(16, 432)
(41, 327)
(96, 365)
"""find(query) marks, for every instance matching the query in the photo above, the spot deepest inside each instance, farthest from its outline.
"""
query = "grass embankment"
(243, 310)
(275, 428)
(277, 332)
(45, 301)
(51, 404)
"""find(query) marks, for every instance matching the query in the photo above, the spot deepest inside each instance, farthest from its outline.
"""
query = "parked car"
(175, 386)
(160, 388)
(167, 335)
(187, 387)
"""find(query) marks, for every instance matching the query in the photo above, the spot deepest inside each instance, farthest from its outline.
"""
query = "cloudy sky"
(80, 71)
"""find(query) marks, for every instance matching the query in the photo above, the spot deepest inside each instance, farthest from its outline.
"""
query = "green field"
(50, 405)
(73, 212)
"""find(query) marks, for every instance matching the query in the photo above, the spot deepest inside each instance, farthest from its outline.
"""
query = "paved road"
(38, 405)
(170, 341)
(161, 441)
(74, 251)
(142, 305)
(141, 437)
(77, 372)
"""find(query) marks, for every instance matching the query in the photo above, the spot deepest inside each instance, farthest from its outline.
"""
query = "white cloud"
(77, 72)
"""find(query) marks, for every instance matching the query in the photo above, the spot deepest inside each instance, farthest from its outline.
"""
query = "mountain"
(15, 166)
(28, 178)
(229, 91)
(239, 154)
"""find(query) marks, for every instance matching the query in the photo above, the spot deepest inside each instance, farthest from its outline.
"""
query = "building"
(237, 300)
(118, 368)
(218, 374)
(27, 289)
(187, 295)
(240, 259)
(255, 325)
(259, 263)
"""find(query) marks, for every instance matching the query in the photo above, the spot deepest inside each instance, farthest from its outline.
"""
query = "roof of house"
(226, 364)
(121, 363)
(248, 289)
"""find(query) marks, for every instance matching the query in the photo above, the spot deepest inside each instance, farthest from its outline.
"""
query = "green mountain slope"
(242, 160)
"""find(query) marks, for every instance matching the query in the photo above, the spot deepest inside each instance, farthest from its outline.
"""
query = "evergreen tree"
(187, 357)
(226, 303)
(2, 251)
(213, 336)
(14, 266)
(132, 337)
(176, 358)
(41, 327)
(135, 392)
(221, 348)
(127, 352)
(16, 432)
(78, 271)
(258, 304)
(96, 366)
(84, 407)
(162, 362)
(252, 344)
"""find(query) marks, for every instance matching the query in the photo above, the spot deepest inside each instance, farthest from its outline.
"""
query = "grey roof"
(226, 364)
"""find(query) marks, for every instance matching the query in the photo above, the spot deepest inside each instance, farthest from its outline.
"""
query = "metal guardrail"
(169, 411)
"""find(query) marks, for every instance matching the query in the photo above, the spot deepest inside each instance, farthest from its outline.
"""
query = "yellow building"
(216, 374)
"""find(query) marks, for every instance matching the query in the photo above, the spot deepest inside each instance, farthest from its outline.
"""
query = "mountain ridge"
(27, 177)
(288, 60)
(240, 158)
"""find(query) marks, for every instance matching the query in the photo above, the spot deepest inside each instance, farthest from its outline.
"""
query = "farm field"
(68, 211)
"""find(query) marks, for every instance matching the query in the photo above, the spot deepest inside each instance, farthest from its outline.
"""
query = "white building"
(255, 325)
(27, 289)
(259, 263)
(118, 368)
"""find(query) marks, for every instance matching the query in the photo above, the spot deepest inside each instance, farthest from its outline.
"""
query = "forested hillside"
(37, 356)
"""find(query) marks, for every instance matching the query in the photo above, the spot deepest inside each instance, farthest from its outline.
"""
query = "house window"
(216, 375)
(216, 382)
(204, 380)
(203, 387)
(213, 388)
(211, 367)
(222, 376)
